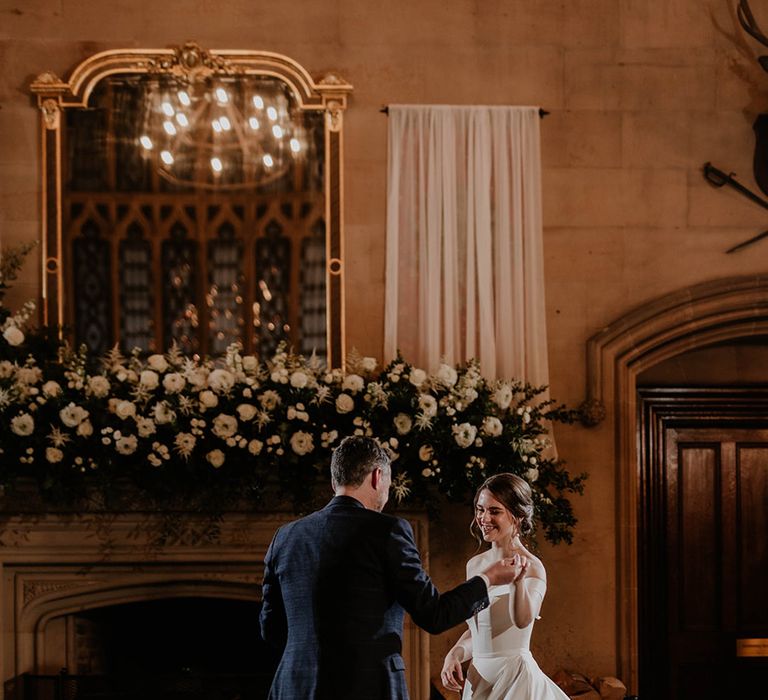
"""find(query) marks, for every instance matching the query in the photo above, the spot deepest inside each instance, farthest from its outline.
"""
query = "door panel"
(703, 548)
(715, 556)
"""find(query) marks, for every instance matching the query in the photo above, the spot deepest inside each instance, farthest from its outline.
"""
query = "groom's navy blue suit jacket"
(336, 584)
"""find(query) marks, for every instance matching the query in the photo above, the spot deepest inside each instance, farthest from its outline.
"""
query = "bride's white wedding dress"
(502, 666)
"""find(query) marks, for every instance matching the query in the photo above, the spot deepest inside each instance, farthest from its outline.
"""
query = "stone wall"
(640, 94)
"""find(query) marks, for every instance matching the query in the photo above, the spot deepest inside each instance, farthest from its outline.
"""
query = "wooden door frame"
(660, 409)
(689, 318)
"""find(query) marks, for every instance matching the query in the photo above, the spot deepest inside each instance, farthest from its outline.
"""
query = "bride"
(498, 637)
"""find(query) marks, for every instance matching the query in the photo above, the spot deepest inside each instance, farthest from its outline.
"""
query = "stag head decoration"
(717, 177)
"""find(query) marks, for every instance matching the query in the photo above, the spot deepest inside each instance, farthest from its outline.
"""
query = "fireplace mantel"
(54, 565)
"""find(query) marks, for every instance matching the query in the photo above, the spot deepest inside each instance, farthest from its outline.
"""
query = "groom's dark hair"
(354, 459)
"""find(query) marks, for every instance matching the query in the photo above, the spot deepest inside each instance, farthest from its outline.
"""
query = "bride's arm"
(451, 674)
(530, 587)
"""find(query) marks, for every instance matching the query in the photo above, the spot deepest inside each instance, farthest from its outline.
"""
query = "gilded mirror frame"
(328, 95)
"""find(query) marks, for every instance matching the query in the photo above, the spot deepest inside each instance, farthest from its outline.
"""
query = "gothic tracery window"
(201, 257)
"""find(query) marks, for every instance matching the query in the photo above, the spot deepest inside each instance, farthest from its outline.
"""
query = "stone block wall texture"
(641, 94)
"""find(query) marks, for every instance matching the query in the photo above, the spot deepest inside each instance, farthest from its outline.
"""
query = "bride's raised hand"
(452, 676)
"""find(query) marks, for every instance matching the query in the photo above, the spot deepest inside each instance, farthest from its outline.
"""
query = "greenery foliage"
(208, 434)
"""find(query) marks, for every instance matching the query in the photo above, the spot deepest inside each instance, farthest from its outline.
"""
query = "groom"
(337, 583)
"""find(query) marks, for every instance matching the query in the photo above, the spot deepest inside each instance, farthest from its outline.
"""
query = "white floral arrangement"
(244, 430)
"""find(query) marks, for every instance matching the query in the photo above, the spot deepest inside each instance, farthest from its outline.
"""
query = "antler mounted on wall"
(717, 177)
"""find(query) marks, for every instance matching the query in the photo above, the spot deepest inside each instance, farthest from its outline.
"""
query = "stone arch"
(33, 622)
(684, 320)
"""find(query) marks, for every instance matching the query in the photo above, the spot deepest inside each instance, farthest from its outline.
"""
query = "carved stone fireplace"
(68, 580)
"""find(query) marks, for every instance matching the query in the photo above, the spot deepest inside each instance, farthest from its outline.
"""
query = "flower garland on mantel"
(208, 434)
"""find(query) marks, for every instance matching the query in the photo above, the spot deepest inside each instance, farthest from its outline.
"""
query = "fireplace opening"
(172, 635)
(172, 648)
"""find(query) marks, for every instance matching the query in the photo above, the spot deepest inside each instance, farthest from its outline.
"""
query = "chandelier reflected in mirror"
(220, 132)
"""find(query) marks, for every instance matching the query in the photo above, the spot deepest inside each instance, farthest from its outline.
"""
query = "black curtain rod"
(542, 112)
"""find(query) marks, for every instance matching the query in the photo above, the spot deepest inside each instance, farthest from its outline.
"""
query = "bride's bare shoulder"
(478, 563)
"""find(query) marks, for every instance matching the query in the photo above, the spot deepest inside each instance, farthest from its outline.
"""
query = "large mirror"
(193, 197)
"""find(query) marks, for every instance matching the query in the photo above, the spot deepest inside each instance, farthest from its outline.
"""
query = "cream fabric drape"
(464, 271)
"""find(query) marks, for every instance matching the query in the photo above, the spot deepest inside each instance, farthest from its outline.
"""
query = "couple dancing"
(337, 584)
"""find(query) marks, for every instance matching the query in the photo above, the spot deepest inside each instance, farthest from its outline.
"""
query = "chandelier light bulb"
(272, 113)
(258, 102)
(225, 123)
(268, 162)
(254, 123)
(182, 119)
(184, 98)
(167, 108)
(277, 131)
(216, 124)
(295, 145)
(170, 129)
(167, 157)
(222, 96)
(146, 142)
(216, 165)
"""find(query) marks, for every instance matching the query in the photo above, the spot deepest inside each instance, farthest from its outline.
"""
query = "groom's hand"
(505, 570)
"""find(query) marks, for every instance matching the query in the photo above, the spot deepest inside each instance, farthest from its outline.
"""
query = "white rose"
(145, 426)
(353, 383)
(221, 380)
(13, 335)
(250, 363)
(163, 413)
(425, 453)
(85, 429)
(208, 399)
(464, 434)
(224, 426)
(126, 445)
(417, 377)
(344, 403)
(428, 405)
(6, 369)
(125, 409)
(173, 383)
(29, 375)
(216, 458)
(54, 455)
(368, 364)
(158, 363)
(254, 446)
(299, 380)
(23, 424)
(72, 415)
(492, 426)
(197, 378)
(532, 474)
(302, 443)
(98, 386)
(503, 396)
(403, 423)
(246, 412)
(51, 388)
(149, 379)
(446, 375)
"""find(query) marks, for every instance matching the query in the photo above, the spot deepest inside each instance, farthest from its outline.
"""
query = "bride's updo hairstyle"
(514, 493)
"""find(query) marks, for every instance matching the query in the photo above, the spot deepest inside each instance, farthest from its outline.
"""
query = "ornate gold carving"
(334, 114)
(51, 113)
(190, 63)
(333, 79)
(48, 78)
